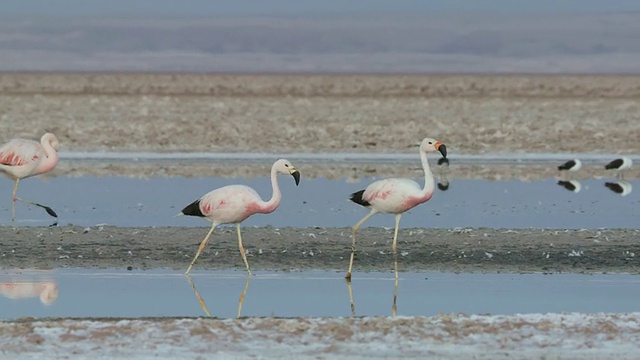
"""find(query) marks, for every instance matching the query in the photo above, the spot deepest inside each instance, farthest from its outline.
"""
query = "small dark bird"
(619, 165)
(622, 163)
(571, 165)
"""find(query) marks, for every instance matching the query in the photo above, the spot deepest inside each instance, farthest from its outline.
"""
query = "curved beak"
(296, 175)
(440, 147)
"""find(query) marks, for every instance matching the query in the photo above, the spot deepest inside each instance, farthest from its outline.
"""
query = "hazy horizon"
(298, 7)
(374, 36)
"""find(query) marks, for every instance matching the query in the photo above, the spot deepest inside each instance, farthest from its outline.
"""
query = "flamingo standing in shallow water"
(20, 159)
(233, 204)
(395, 196)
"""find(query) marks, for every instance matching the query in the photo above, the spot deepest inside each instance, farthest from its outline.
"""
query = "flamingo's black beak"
(443, 149)
(296, 175)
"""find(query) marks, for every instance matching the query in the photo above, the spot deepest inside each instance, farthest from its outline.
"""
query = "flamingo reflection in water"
(204, 306)
(443, 181)
(47, 291)
(394, 307)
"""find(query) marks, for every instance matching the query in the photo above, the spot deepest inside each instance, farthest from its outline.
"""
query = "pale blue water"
(120, 293)
(135, 202)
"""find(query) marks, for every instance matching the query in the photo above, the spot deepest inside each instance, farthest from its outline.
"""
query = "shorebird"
(620, 165)
(233, 204)
(571, 165)
(20, 159)
(396, 195)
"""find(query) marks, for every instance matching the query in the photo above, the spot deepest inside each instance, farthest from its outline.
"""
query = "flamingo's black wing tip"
(356, 197)
(193, 209)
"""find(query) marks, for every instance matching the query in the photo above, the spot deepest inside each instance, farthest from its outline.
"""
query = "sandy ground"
(302, 113)
(284, 114)
(291, 249)
(280, 114)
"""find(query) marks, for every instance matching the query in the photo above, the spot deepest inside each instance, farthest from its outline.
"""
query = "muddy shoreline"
(292, 249)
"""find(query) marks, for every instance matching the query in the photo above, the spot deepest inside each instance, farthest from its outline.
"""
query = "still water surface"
(160, 292)
(137, 202)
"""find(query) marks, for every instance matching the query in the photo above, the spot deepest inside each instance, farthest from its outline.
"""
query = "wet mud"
(291, 249)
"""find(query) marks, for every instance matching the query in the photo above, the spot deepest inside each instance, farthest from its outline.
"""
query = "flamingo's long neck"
(273, 203)
(51, 156)
(429, 182)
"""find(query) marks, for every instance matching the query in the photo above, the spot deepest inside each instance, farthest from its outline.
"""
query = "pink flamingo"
(233, 204)
(20, 159)
(395, 196)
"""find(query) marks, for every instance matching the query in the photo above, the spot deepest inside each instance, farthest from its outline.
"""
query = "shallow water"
(136, 202)
(120, 293)
(337, 157)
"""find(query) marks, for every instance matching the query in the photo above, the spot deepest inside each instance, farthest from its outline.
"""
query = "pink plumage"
(20, 159)
(233, 204)
(396, 195)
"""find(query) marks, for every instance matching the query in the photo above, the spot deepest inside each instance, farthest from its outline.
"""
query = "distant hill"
(588, 43)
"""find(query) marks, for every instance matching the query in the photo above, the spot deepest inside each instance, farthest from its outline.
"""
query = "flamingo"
(20, 159)
(395, 195)
(233, 204)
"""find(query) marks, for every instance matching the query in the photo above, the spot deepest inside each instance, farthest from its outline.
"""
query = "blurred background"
(355, 36)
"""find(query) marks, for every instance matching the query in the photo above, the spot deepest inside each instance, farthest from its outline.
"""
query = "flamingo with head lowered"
(20, 159)
(233, 204)
(396, 195)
